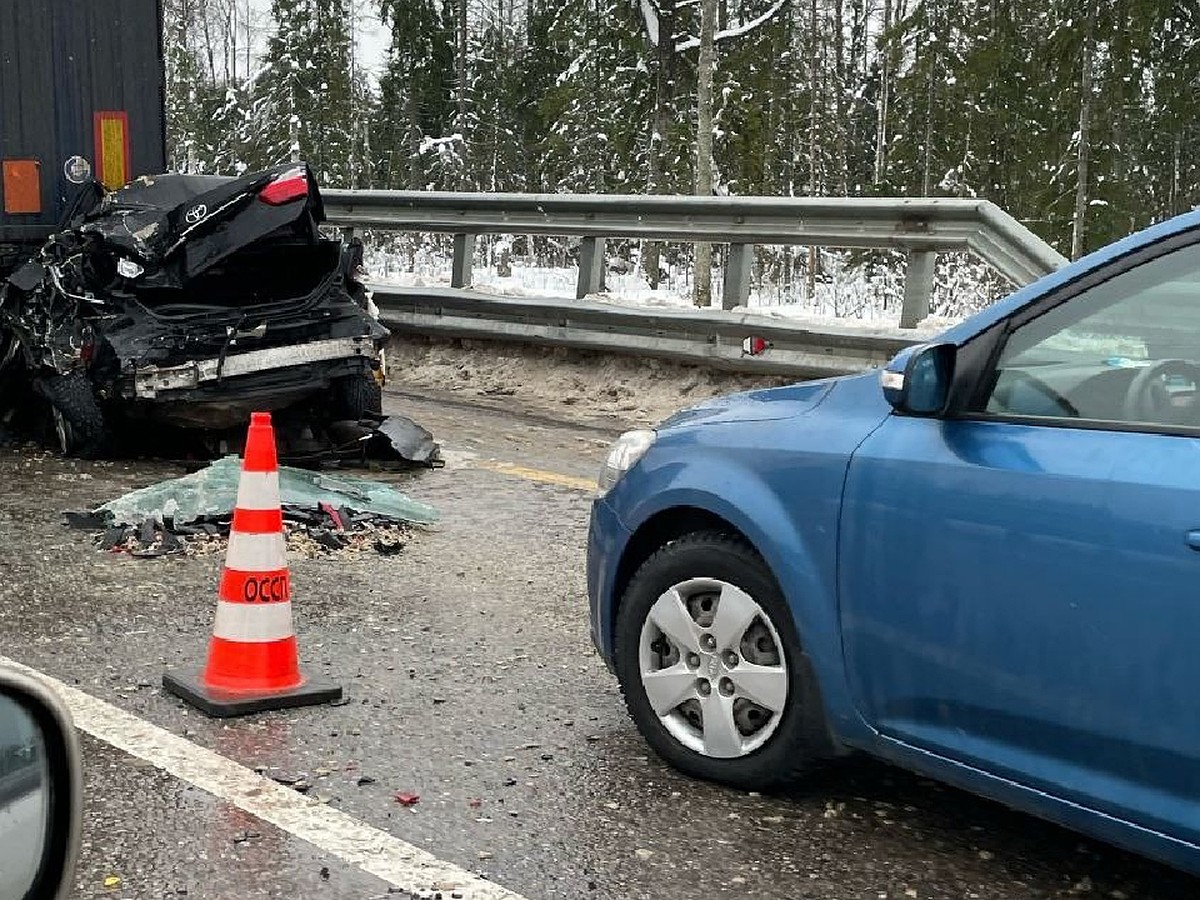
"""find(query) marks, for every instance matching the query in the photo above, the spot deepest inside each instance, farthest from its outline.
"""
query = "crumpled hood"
(206, 217)
(755, 406)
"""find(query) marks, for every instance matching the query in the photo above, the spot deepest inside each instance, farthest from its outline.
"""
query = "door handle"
(1193, 539)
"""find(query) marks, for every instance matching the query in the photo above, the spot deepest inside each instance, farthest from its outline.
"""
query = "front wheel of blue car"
(712, 670)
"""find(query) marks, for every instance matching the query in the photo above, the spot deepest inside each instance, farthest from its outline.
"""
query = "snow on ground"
(849, 292)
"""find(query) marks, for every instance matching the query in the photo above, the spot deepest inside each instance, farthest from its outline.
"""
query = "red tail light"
(291, 185)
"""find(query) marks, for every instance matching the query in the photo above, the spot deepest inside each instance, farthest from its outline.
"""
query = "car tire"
(358, 397)
(798, 736)
(78, 420)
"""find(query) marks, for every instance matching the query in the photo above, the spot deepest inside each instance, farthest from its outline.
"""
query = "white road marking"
(468, 459)
(333, 831)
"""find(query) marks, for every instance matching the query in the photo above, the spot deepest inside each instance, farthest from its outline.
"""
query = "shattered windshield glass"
(212, 492)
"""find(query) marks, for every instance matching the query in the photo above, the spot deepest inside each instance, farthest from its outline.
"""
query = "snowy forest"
(1080, 118)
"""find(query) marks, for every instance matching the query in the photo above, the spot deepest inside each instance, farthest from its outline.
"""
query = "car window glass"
(1126, 350)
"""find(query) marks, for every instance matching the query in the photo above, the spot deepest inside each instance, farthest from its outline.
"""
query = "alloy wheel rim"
(713, 669)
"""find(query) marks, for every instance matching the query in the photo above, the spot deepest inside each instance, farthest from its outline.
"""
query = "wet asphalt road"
(472, 682)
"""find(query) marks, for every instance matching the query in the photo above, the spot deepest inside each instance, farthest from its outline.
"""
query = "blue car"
(981, 563)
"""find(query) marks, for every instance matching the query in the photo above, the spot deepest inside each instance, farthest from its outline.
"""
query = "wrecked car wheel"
(78, 421)
(357, 397)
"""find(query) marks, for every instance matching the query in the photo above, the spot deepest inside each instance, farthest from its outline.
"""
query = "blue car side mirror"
(917, 380)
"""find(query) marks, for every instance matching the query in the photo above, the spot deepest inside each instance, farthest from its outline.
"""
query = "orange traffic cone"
(252, 660)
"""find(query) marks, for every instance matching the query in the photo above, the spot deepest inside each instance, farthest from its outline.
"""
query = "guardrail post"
(464, 255)
(739, 265)
(591, 267)
(918, 287)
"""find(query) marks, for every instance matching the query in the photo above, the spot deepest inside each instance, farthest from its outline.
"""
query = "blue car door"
(1019, 579)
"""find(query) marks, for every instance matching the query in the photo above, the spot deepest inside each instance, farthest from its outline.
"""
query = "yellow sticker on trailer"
(112, 148)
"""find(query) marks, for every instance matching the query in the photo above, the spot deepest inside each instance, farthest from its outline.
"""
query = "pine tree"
(969, 98)
(303, 100)
(418, 144)
(596, 141)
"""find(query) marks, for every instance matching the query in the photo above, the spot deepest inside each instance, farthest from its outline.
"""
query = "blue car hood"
(755, 406)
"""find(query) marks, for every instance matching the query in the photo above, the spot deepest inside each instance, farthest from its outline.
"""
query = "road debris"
(191, 515)
(405, 798)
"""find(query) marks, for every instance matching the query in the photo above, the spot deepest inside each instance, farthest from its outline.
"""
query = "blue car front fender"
(797, 539)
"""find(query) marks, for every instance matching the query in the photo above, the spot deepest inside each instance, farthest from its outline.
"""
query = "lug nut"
(731, 659)
(703, 688)
(693, 661)
(726, 687)
(708, 642)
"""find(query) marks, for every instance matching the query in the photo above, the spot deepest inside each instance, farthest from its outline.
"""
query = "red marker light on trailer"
(291, 185)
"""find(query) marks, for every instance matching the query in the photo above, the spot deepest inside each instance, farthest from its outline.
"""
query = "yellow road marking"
(538, 475)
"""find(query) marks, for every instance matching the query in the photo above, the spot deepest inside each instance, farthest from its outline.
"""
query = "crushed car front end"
(193, 300)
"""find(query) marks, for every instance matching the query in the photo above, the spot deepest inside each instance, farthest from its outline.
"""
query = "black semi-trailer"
(81, 97)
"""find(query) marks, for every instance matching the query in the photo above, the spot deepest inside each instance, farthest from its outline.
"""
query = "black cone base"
(224, 704)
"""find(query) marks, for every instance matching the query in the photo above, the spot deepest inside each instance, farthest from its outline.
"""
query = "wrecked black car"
(190, 301)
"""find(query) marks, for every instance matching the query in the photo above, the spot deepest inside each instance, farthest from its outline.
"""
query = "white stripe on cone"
(253, 623)
(256, 552)
(258, 490)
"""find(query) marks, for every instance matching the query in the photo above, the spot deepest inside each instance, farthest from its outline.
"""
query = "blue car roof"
(985, 318)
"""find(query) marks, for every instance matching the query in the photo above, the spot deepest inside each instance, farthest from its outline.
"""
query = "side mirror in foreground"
(41, 787)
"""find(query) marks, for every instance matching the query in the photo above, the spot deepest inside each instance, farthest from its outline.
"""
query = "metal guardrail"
(707, 337)
(921, 227)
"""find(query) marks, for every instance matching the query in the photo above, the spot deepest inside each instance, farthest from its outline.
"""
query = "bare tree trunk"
(231, 59)
(704, 163)
(247, 41)
(703, 269)
(885, 84)
(839, 99)
(664, 91)
(923, 43)
(460, 87)
(816, 99)
(1079, 225)
(1176, 150)
(352, 67)
(414, 139)
(208, 45)
(928, 140)
(816, 96)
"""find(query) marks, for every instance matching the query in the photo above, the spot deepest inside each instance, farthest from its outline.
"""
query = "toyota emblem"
(195, 214)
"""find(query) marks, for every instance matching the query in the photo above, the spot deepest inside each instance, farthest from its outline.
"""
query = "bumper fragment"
(150, 380)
